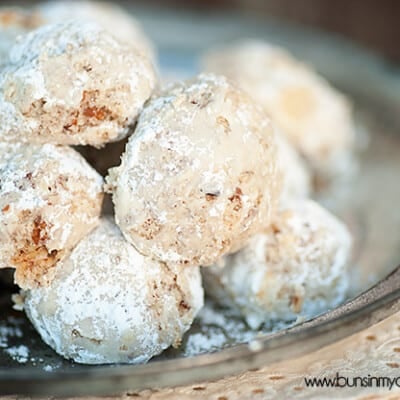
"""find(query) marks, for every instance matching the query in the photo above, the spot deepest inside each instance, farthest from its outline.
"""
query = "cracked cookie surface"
(72, 83)
(50, 198)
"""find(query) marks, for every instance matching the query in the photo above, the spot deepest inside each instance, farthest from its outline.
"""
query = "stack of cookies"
(213, 172)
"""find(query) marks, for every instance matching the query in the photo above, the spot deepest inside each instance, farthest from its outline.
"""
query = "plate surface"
(368, 205)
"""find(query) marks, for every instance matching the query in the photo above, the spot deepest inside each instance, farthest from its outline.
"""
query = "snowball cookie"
(295, 268)
(315, 117)
(198, 176)
(14, 22)
(109, 304)
(296, 177)
(50, 198)
(72, 83)
(110, 16)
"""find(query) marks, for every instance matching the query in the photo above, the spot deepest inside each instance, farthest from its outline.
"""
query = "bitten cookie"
(315, 117)
(50, 198)
(109, 16)
(72, 83)
(198, 176)
(109, 304)
(295, 268)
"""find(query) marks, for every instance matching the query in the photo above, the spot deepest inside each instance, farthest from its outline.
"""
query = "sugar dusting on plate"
(12, 330)
(13, 348)
(217, 328)
(10, 333)
(18, 353)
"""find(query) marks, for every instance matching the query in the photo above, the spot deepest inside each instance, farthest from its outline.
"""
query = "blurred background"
(373, 23)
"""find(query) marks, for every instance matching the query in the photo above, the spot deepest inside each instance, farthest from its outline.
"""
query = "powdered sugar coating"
(50, 198)
(109, 304)
(315, 117)
(14, 21)
(198, 177)
(110, 16)
(296, 177)
(295, 268)
(72, 83)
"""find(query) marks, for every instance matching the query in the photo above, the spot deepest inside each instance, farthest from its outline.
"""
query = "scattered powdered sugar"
(18, 353)
(205, 342)
(7, 332)
(10, 333)
(217, 328)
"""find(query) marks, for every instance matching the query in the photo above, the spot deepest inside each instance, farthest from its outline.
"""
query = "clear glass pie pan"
(369, 206)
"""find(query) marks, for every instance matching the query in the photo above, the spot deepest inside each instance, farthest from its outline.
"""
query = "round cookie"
(198, 176)
(296, 268)
(109, 304)
(110, 16)
(72, 83)
(14, 21)
(296, 177)
(315, 117)
(50, 198)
